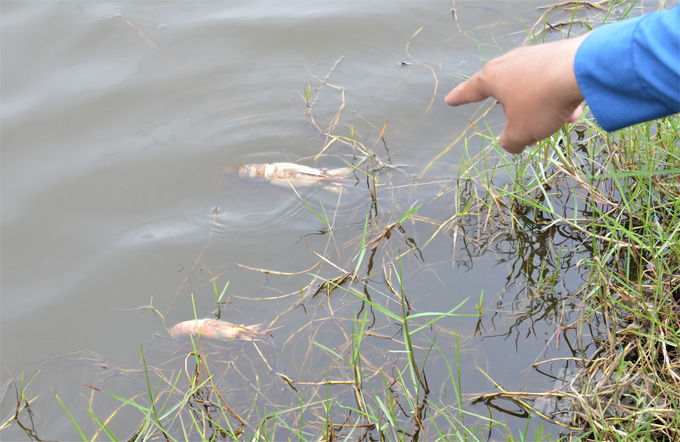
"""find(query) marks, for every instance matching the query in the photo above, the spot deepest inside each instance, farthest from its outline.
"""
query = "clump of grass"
(620, 193)
(23, 402)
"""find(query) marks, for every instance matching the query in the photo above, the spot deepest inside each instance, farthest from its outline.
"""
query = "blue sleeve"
(629, 72)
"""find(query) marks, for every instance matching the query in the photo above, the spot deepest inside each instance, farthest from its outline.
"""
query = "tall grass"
(620, 193)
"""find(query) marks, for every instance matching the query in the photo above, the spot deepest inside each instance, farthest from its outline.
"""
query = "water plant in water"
(620, 193)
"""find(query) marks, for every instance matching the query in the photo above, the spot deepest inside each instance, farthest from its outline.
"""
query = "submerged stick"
(318, 91)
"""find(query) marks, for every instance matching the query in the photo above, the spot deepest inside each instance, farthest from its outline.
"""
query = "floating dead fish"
(285, 174)
(221, 330)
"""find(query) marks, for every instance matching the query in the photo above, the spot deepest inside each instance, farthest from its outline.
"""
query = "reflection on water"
(119, 118)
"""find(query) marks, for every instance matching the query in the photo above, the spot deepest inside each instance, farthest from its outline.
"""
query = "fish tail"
(343, 171)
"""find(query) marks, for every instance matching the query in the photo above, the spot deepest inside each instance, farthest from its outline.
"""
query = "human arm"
(629, 71)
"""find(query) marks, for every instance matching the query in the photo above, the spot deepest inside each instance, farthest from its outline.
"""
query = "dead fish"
(221, 330)
(285, 174)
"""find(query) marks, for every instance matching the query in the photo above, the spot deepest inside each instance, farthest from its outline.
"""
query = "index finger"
(470, 91)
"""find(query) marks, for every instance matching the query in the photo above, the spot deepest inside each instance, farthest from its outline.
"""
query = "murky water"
(118, 120)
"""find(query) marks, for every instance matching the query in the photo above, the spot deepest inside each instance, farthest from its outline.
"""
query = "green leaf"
(69, 415)
(409, 213)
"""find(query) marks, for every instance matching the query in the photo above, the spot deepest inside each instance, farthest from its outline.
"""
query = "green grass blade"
(69, 415)
(308, 206)
(102, 425)
(408, 214)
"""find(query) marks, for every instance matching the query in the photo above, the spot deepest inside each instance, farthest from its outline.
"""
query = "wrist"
(569, 82)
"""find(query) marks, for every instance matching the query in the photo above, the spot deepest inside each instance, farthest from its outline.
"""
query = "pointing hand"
(536, 86)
